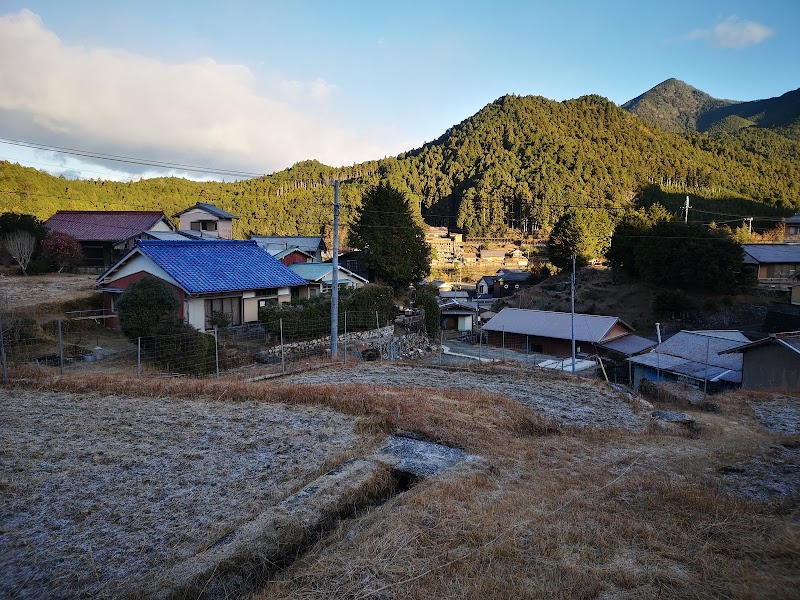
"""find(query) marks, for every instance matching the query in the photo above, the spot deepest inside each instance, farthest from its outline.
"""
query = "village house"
(696, 358)
(791, 229)
(319, 277)
(105, 234)
(235, 278)
(771, 363)
(207, 220)
(312, 245)
(550, 332)
(777, 265)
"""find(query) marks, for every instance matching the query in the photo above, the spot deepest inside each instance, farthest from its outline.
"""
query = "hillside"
(519, 162)
(680, 108)
(675, 106)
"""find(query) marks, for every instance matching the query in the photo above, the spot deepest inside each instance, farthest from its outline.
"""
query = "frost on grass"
(100, 492)
(781, 415)
(576, 402)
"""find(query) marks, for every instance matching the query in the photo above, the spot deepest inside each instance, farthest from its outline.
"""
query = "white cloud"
(733, 32)
(203, 112)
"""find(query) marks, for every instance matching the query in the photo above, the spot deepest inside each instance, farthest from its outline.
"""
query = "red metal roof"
(103, 225)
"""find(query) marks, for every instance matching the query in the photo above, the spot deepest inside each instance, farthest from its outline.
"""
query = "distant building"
(550, 332)
(105, 234)
(791, 229)
(207, 220)
(275, 244)
(776, 264)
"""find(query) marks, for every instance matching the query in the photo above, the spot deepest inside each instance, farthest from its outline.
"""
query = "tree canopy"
(392, 242)
(677, 255)
(584, 233)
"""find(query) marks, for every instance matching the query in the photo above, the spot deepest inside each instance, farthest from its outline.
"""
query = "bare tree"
(21, 245)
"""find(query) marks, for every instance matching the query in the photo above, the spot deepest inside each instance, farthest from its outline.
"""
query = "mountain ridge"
(519, 162)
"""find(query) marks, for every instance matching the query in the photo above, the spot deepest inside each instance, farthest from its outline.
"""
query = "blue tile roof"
(218, 266)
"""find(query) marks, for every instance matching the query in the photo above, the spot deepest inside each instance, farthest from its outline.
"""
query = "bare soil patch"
(24, 292)
(101, 491)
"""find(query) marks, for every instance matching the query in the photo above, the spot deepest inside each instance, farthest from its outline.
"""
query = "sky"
(242, 88)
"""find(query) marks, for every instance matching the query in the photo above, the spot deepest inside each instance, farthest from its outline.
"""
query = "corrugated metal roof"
(275, 243)
(705, 346)
(793, 220)
(545, 323)
(104, 225)
(318, 271)
(773, 253)
(629, 345)
(792, 342)
(210, 209)
(218, 265)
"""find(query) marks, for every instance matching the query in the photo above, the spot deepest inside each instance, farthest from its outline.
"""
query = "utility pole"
(750, 225)
(572, 300)
(335, 275)
(686, 208)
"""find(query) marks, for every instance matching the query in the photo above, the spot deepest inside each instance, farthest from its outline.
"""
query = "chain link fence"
(248, 352)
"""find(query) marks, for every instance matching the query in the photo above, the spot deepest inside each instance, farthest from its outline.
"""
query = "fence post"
(60, 350)
(378, 325)
(139, 357)
(283, 356)
(3, 352)
(216, 349)
(441, 347)
(480, 345)
(345, 338)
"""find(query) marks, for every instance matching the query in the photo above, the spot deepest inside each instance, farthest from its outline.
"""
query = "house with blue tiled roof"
(233, 277)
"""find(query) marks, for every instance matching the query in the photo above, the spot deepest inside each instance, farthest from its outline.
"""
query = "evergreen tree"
(394, 247)
(584, 233)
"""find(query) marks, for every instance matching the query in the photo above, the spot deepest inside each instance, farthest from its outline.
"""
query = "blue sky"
(257, 86)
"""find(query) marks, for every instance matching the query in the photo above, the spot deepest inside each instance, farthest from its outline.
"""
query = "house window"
(794, 230)
(272, 292)
(231, 306)
(203, 226)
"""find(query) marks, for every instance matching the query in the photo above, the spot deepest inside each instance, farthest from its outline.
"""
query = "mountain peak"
(674, 106)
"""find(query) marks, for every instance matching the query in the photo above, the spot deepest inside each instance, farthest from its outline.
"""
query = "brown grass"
(547, 512)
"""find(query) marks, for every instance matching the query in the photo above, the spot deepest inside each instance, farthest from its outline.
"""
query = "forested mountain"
(680, 108)
(519, 162)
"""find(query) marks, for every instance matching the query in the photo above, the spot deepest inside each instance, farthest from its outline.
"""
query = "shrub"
(177, 346)
(425, 299)
(672, 301)
(62, 249)
(143, 305)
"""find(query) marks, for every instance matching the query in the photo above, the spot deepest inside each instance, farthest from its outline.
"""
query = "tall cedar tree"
(393, 244)
(585, 233)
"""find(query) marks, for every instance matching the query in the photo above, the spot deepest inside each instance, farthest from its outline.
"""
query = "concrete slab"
(419, 457)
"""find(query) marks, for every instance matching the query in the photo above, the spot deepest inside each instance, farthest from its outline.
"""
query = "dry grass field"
(106, 480)
(576, 491)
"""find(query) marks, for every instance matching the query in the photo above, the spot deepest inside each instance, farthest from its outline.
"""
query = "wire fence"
(248, 352)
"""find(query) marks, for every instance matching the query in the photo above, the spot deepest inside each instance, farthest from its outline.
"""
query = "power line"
(131, 160)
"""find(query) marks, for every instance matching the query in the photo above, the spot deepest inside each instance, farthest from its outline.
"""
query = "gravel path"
(578, 403)
(98, 492)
